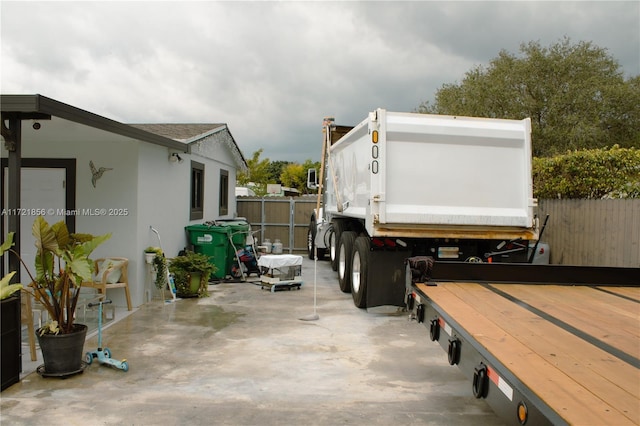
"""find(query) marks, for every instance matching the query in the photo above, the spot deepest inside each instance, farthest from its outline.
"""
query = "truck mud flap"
(386, 278)
(535, 274)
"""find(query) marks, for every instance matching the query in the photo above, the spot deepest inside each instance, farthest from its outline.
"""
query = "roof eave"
(26, 104)
(242, 162)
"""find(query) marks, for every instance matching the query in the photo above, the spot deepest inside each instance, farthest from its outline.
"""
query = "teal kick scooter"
(103, 355)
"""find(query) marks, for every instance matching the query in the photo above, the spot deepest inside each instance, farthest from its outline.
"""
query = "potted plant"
(191, 272)
(62, 264)
(150, 253)
(160, 269)
(10, 324)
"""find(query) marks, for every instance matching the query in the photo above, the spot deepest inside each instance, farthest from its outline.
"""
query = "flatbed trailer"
(541, 354)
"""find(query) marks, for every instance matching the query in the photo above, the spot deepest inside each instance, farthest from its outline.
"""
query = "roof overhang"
(229, 141)
(41, 107)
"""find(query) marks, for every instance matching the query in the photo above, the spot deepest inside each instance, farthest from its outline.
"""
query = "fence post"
(292, 225)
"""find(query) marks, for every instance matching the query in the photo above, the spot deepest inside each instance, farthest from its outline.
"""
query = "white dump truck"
(400, 185)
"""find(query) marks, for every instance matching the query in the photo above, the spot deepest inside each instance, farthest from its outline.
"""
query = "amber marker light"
(523, 413)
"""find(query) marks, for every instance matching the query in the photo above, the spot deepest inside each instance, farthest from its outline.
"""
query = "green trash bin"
(212, 241)
(219, 242)
(237, 231)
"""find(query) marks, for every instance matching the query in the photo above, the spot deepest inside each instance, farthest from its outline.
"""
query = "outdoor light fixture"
(175, 158)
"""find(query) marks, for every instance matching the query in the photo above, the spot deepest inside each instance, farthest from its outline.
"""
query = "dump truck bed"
(570, 353)
(434, 176)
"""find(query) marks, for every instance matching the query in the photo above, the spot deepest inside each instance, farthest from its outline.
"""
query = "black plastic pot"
(63, 354)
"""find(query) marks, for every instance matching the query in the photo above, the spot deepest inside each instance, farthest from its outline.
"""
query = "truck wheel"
(345, 253)
(311, 241)
(334, 244)
(333, 250)
(359, 271)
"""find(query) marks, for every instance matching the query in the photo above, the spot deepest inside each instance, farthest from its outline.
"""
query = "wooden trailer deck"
(576, 348)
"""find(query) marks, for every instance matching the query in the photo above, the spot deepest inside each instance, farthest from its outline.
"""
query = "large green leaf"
(44, 265)
(7, 244)
(89, 246)
(7, 289)
(44, 235)
(62, 234)
(79, 265)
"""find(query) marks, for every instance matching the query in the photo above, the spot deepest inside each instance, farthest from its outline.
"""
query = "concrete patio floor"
(243, 357)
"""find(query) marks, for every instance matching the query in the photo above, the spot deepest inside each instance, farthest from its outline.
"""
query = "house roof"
(197, 132)
(175, 136)
(42, 107)
(178, 131)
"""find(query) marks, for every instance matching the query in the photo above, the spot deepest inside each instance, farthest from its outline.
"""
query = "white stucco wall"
(164, 200)
(163, 204)
(214, 151)
(143, 190)
(113, 201)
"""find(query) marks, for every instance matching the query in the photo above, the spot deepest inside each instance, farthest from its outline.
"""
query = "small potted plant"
(161, 273)
(191, 272)
(150, 253)
(62, 264)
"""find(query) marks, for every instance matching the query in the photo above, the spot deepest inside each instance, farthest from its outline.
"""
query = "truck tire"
(347, 240)
(334, 243)
(311, 241)
(360, 271)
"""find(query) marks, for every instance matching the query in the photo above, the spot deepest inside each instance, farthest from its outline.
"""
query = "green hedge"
(590, 173)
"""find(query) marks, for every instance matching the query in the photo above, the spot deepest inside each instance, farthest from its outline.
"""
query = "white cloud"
(273, 70)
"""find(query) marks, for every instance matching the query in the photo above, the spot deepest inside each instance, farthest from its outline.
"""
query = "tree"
(262, 172)
(257, 174)
(575, 94)
(295, 176)
(275, 171)
(292, 177)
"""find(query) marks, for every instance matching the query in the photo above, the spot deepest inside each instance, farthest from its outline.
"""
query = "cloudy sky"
(273, 70)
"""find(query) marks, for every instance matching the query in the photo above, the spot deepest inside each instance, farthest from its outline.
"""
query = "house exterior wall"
(215, 152)
(163, 205)
(110, 207)
(143, 190)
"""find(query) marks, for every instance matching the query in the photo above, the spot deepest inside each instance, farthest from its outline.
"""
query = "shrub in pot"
(191, 272)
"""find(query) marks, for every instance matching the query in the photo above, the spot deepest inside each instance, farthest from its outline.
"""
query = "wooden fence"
(279, 218)
(579, 232)
(593, 232)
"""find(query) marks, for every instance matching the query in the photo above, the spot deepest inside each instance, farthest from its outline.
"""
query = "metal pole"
(12, 133)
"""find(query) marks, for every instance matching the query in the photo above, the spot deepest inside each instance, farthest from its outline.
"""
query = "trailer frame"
(478, 347)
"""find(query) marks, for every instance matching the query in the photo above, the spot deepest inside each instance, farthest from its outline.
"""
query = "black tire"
(311, 238)
(311, 241)
(334, 244)
(333, 250)
(360, 271)
(347, 240)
